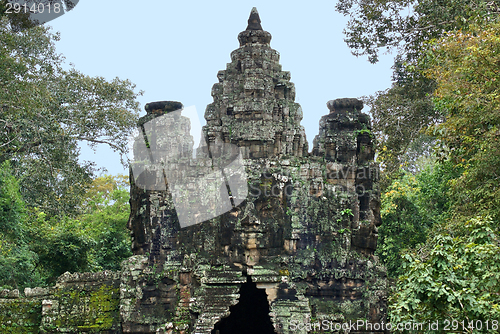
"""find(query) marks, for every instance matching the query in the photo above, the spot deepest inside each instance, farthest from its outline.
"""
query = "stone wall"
(78, 303)
(19, 315)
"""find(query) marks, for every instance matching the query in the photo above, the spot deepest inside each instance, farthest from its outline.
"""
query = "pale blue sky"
(172, 50)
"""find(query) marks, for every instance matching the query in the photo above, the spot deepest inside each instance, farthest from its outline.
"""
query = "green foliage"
(465, 67)
(383, 25)
(434, 191)
(445, 93)
(17, 262)
(104, 191)
(455, 275)
(61, 245)
(36, 248)
(402, 223)
(69, 224)
(447, 268)
(446, 79)
(400, 117)
(46, 111)
(410, 206)
(11, 204)
(96, 240)
(346, 212)
(107, 207)
(402, 113)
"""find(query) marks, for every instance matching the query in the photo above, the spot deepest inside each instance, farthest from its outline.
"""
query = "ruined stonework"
(302, 241)
(254, 101)
(78, 303)
(293, 255)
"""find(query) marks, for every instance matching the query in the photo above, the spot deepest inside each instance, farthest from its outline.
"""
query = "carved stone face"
(367, 234)
(220, 76)
(366, 237)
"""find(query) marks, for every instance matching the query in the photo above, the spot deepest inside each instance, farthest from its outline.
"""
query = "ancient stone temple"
(290, 251)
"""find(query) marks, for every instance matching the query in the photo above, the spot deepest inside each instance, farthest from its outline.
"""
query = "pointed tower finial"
(254, 20)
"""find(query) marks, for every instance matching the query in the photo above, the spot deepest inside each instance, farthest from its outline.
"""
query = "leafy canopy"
(465, 68)
(411, 205)
(17, 261)
(46, 111)
(35, 248)
(93, 241)
(402, 113)
(455, 273)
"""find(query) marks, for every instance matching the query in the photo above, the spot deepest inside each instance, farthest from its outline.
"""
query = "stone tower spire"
(254, 101)
(254, 20)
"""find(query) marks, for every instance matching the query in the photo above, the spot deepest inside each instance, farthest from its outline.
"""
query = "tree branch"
(93, 140)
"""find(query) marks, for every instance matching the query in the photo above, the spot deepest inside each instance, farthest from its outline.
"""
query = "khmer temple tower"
(299, 248)
(254, 101)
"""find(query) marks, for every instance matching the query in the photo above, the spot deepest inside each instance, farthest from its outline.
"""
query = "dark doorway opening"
(250, 315)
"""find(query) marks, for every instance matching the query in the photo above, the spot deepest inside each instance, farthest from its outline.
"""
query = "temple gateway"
(283, 243)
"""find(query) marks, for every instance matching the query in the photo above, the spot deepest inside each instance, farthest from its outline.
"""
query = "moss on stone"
(20, 316)
(89, 310)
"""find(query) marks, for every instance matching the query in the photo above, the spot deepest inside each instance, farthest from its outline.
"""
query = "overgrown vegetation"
(47, 111)
(36, 249)
(56, 215)
(439, 140)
